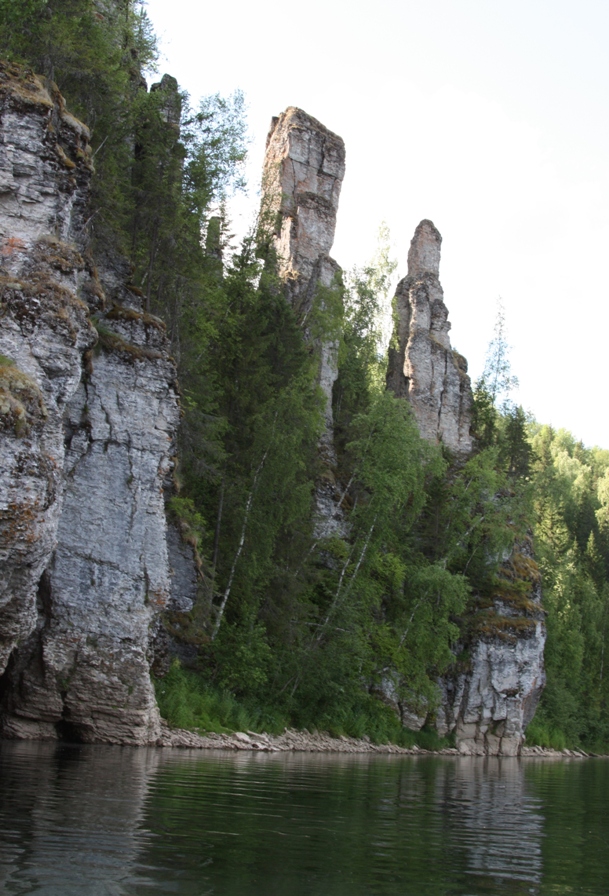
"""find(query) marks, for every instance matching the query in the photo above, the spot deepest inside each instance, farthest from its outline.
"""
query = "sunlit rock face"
(492, 696)
(423, 367)
(44, 330)
(87, 426)
(303, 172)
(489, 709)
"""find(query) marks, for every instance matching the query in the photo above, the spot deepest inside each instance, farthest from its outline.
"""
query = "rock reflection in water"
(350, 824)
(499, 824)
(70, 817)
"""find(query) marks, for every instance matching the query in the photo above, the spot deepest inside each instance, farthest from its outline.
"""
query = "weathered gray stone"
(489, 705)
(303, 171)
(99, 451)
(109, 577)
(171, 638)
(183, 572)
(424, 368)
(411, 711)
(44, 170)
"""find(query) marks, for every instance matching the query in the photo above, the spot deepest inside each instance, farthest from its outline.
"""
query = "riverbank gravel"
(319, 742)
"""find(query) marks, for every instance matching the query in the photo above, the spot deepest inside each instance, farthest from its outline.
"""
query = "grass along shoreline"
(198, 716)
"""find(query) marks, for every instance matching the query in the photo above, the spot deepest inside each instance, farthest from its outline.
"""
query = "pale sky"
(488, 117)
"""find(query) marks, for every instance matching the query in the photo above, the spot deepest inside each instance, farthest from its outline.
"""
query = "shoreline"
(293, 741)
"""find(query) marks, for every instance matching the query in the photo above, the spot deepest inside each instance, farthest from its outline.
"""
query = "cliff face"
(44, 172)
(88, 427)
(423, 367)
(490, 698)
(88, 416)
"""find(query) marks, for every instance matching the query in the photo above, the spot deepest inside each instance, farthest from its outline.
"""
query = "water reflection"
(129, 821)
(499, 823)
(357, 824)
(71, 817)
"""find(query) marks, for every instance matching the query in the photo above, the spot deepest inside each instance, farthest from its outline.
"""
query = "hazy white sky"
(489, 117)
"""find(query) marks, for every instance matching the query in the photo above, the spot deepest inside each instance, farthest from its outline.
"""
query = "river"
(92, 821)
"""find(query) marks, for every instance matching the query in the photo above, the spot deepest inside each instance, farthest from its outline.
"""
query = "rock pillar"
(423, 367)
(303, 172)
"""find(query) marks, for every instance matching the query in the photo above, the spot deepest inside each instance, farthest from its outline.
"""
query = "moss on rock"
(21, 402)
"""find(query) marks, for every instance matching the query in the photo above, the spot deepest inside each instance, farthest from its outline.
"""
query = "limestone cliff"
(491, 695)
(423, 367)
(45, 328)
(88, 416)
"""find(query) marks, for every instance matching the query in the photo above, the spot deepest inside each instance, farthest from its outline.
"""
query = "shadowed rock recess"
(88, 416)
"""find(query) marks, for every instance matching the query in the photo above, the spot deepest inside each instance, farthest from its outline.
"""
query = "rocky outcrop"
(91, 417)
(494, 690)
(45, 328)
(88, 415)
(489, 707)
(491, 694)
(303, 172)
(423, 367)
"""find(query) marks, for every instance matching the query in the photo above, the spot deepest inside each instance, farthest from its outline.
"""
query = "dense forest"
(292, 627)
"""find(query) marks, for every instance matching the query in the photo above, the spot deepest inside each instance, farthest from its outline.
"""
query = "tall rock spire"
(303, 172)
(424, 368)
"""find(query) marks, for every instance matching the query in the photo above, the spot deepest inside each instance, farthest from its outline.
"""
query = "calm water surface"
(123, 821)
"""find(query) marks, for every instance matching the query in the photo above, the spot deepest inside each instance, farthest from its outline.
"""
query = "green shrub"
(542, 734)
(186, 700)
